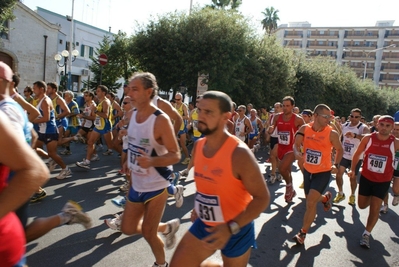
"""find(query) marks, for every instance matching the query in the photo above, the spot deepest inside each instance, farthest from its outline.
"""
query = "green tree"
(6, 13)
(269, 23)
(223, 4)
(177, 47)
(105, 75)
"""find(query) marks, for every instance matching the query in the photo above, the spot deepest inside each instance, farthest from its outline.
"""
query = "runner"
(317, 139)
(379, 154)
(231, 191)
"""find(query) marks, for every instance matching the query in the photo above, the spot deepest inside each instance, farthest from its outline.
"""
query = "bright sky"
(122, 14)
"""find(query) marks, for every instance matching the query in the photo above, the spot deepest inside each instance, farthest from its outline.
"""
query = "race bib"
(313, 156)
(284, 138)
(133, 154)
(195, 125)
(377, 163)
(349, 149)
(208, 208)
(97, 121)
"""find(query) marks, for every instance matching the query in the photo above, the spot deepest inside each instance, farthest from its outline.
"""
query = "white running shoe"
(170, 238)
(66, 152)
(114, 223)
(279, 177)
(109, 152)
(64, 173)
(395, 200)
(77, 215)
(272, 179)
(179, 195)
(95, 157)
(51, 165)
(384, 209)
(83, 164)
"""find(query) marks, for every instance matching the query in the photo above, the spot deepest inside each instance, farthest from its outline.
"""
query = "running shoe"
(365, 241)
(119, 201)
(83, 164)
(175, 178)
(125, 187)
(77, 215)
(327, 204)
(279, 177)
(290, 194)
(109, 152)
(272, 179)
(121, 172)
(66, 152)
(38, 196)
(162, 265)
(186, 161)
(384, 209)
(395, 200)
(64, 173)
(352, 200)
(338, 198)
(179, 197)
(170, 238)
(302, 186)
(51, 165)
(114, 223)
(184, 173)
(299, 238)
(95, 157)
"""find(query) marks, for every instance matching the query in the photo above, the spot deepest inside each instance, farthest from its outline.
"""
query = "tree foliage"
(6, 12)
(269, 23)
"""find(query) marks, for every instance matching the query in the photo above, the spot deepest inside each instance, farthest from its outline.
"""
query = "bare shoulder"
(242, 155)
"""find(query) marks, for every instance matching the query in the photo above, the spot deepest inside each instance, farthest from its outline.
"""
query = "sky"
(123, 14)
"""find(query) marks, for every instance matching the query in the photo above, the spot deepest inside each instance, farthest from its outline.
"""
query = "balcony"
(361, 37)
(390, 59)
(390, 71)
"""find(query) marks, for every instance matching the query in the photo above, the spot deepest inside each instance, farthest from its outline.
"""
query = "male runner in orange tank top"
(318, 139)
(231, 191)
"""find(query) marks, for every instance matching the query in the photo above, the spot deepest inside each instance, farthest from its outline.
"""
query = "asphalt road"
(332, 241)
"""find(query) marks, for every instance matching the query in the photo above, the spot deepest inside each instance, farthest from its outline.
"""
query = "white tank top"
(350, 144)
(239, 127)
(141, 137)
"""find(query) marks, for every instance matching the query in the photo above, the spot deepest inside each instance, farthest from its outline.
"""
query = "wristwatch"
(234, 227)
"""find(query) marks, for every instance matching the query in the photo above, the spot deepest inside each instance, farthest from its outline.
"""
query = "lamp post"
(367, 55)
(65, 55)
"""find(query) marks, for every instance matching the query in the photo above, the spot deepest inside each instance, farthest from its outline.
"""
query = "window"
(321, 32)
(333, 33)
(4, 34)
(86, 51)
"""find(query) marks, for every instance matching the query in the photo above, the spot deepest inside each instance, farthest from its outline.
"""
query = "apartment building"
(372, 52)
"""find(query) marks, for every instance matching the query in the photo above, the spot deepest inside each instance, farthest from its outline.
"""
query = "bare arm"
(245, 167)
(64, 107)
(46, 107)
(33, 113)
(30, 171)
(356, 156)
(273, 123)
(248, 125)
(334, 139)
(163, 133)
(172, 113)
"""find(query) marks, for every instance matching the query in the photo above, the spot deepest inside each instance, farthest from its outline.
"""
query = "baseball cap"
(5, 72)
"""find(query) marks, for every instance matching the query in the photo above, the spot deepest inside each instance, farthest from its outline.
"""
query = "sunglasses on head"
(356, 117)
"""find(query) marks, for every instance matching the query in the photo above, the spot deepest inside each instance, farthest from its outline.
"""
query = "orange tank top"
(317, 149)
(220, 196)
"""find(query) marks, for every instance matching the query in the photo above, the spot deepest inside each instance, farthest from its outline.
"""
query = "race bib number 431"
(208, 208)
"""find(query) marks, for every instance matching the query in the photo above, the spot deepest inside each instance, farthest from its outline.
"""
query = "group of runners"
(230, 188)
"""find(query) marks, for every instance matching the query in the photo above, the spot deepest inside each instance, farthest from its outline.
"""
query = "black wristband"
(337, 165)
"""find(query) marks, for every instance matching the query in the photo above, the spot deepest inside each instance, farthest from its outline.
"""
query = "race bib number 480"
(208, 208)
(377, 163)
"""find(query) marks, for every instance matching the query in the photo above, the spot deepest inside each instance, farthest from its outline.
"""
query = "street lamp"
(367, 55)
(65, 55)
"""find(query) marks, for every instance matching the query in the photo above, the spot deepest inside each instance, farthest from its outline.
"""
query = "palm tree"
(269, 23)
(222, 4)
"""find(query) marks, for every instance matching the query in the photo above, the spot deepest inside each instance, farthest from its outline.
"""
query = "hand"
(220, 235)
(125, 169)
(334, 169)
(351, 174)
(80, 115)
(242, 133)
(350, 135)
(144, 161)
(193, 216)
(122, 132)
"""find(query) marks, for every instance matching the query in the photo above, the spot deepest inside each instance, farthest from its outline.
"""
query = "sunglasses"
(356, 117)
(125, 103)
(324, 116)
